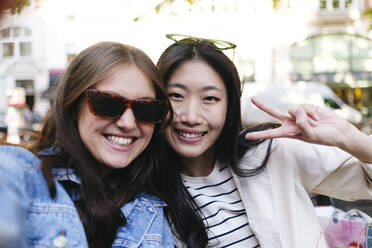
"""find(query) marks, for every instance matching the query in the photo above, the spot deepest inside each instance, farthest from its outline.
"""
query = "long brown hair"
(100, 198)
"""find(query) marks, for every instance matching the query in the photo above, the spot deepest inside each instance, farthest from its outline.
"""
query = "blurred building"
(37, 45)
(279, 41)
(22, 56)
(337, 51)
(286, 41)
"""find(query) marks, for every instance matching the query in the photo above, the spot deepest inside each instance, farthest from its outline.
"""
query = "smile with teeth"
(119, 140)
(190, 135)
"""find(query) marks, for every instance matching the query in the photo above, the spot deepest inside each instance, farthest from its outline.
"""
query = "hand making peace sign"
(307, 122)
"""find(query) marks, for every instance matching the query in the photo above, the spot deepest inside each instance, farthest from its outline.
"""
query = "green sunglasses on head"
(187, 39)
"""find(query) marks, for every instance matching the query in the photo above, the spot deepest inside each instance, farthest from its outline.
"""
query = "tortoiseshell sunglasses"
(112, 106)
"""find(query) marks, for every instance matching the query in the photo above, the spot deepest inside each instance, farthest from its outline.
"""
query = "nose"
(189, 113)
(127, 120)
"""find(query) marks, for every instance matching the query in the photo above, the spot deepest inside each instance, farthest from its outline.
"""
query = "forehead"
(129, 81)
(196, 74)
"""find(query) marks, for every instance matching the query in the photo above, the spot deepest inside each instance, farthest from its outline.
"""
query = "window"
(15, 42)
(17, 32)
(5, 33)
(8, 49)
(26, 32)
(323, 4)
(25, 48)
(28, 85)
(335, 5)
(332, 56)
(348, 3)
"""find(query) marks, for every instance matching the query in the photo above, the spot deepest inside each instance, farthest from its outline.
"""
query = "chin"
(117, 164)
(189, 154)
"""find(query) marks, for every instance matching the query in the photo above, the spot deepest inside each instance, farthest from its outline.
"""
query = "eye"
(174, 96)
(211, 99)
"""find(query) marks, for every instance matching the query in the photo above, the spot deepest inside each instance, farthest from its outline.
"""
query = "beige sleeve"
(325, 170)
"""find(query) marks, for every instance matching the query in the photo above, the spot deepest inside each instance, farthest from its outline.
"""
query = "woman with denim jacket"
(225, 191)
(88, 182)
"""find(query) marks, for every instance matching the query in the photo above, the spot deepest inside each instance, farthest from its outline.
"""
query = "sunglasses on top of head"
(112, 106)
(188, 39)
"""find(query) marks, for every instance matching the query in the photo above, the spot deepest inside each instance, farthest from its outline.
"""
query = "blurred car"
(284, 96)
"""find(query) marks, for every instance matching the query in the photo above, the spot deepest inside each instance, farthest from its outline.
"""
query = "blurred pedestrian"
(31, 117)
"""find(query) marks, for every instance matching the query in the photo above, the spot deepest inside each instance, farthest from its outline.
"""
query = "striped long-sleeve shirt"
(218, 199)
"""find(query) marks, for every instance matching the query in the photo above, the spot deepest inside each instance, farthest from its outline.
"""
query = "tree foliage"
(275, 3)
(14, 6)
(368, 14)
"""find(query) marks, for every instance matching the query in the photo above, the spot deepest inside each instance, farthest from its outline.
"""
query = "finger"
(270, 110)
(302, 120)
(265, 134)
(312, 110)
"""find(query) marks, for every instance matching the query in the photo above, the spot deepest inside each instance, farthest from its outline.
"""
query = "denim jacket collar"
(61, 174)
(66, 174)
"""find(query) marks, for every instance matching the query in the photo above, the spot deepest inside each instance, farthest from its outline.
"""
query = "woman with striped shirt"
(225, 191)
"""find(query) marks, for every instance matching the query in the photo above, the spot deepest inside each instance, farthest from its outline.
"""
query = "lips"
(118, 140)
(190, 136)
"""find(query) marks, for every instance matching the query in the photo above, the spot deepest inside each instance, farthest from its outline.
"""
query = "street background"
(279, 42)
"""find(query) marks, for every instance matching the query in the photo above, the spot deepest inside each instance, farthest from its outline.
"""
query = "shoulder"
(143, 201)
(151, 200)
(17, 162)
(20, 174)
(20, 168)
(278, 145)
(146, 224)
(255, 155)
(292, 152)
(15, 155)
(298, 149)
(272, 149)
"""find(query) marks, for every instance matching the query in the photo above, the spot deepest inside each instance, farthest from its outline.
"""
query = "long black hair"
(230, 146)
(101, 197)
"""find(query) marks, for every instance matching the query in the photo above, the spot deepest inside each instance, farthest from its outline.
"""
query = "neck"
(201, 166)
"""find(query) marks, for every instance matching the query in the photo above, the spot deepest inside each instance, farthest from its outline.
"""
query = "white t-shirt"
(224, 215)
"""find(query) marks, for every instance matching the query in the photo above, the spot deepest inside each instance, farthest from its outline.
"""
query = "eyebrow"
(182, 86)
(115, 93)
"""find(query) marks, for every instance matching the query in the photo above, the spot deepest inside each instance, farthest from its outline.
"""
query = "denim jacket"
(37, 220)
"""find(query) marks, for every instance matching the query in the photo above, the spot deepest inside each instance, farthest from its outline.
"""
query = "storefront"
(340, 60)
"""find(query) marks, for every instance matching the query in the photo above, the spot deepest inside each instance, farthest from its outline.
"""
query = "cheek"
(176, 107)
(89, 126)
(218, 116)
(147, 131)
(83, 120)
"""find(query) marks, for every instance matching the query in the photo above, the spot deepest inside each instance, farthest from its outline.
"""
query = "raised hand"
(307, 122)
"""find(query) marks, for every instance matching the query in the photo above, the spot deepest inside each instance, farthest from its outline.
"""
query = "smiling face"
(116, 143)
(199, 101)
